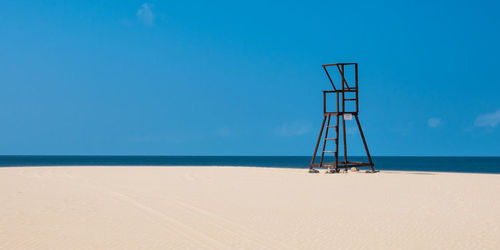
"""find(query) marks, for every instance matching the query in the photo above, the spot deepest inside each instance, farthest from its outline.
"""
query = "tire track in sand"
(190, 234)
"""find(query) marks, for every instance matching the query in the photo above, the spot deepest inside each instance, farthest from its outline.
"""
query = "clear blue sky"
(245, 78)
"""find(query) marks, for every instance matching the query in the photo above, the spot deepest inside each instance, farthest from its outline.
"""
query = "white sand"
(255, 208)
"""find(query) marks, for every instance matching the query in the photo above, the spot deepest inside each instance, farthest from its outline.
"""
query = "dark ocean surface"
(441, 164)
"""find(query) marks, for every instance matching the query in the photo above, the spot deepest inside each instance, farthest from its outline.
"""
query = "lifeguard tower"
(346, 92)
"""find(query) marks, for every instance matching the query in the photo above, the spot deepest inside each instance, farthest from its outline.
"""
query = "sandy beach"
(244, 207)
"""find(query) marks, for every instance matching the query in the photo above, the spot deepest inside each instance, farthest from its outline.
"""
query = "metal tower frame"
(341, 110)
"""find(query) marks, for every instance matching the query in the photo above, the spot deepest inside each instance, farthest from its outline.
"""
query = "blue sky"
(245, 78)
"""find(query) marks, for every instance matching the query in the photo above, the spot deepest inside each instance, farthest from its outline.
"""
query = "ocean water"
(441, 164)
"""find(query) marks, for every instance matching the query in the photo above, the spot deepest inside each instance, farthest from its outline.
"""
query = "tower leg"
(337, 145)
(317, 144)
(345, 141)
(364, 142)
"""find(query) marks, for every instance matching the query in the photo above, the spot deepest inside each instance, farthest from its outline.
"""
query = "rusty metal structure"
(347, 106)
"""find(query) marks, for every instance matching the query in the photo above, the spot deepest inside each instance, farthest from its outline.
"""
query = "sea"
(404, 163)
